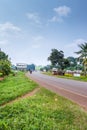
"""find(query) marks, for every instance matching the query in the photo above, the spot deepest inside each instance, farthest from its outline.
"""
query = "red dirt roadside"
(1, 78)
(77, 98)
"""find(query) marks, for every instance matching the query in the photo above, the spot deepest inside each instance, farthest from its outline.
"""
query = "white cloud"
(8, 30)
(9, 27)
(34, 17)
(8, 33)
(62, 10)
(3, 42)
(60, 13)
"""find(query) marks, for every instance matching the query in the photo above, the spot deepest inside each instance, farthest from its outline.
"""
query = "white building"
(21, 66)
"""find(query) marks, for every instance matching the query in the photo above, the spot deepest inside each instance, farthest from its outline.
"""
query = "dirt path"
(22, 97)
(1, 78)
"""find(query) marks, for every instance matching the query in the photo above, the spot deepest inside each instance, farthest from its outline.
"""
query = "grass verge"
(81, 78)
(43, 111)
(14, 86)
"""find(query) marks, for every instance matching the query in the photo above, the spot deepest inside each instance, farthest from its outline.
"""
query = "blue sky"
(29, 29)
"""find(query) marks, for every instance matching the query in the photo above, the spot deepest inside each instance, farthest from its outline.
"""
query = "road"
(71, 89)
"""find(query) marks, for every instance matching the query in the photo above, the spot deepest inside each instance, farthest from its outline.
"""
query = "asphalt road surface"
(71, 89)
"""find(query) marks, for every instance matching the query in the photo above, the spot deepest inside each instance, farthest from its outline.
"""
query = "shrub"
(1, 74)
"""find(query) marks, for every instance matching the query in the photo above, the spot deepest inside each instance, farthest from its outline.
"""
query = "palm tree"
(85, 65)
(83, 54)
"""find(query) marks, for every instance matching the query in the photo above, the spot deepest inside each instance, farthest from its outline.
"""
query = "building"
(25, 67)
(21, 66)
(31, 67)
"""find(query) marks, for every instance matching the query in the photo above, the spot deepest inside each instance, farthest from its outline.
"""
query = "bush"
(5, 64)
(5, 68)
(1, 74)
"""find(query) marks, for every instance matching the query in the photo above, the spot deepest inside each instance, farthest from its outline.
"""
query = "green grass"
(43, 111)
(66, 76)
(14, 86)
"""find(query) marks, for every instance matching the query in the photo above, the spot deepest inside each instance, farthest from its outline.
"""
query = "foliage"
(5, 67)
(83, 50)
(69, 76)
(3, 56)
(47, 68)
(5, 64)
(57, 59)
(43, 111)
(1, 74)
(66, 63)
(83, 54)
(72, 61)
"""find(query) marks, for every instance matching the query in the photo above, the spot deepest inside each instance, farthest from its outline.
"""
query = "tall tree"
(56, 57)
(83, 54)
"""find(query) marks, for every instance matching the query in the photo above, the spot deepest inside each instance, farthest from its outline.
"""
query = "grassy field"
(14, 86)
(42, 111)
(68, 76)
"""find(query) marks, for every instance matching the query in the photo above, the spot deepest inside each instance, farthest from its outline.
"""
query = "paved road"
(71, 89)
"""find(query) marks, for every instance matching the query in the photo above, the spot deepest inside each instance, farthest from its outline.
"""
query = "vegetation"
(73, 63)
(59, 63)
(83, 54)
(14, 86)
(5, 64)
(57, 59)
(68, 76)
(43, 111)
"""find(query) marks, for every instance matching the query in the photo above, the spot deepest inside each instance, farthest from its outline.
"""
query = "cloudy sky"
(29, 29)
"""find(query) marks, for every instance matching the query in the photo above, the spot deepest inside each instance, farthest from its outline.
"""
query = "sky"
(30, 29)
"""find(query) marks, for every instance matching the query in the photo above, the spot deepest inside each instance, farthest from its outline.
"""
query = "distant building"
(21, 66)
(25, 67)
(31, 67)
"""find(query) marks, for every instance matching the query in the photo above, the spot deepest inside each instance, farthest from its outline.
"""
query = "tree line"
(58, 60)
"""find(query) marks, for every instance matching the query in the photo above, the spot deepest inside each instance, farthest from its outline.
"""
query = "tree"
(66, 63)
(85, 65)
(83, 54)
(3, 56)
(57, 58)
(5, 64)
(72, 61)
